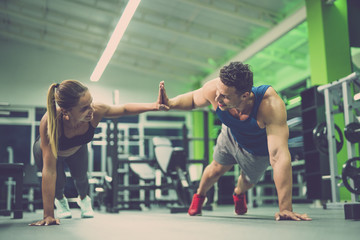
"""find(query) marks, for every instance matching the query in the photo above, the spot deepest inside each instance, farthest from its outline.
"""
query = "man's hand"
(288, 215)
(46, 221)
(163, 100)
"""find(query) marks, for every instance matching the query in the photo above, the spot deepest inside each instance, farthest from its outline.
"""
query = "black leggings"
(78, 166)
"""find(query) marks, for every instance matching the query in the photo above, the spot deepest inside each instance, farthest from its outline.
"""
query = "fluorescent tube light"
(115, 39)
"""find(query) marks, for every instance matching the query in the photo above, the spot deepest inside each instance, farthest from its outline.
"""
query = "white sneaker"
(85, 206)
(62, 208)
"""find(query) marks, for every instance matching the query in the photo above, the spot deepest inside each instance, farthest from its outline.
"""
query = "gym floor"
(158, 223)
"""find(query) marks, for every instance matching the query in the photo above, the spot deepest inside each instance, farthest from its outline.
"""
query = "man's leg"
(239, 194)
(242, 185)
(211, 175)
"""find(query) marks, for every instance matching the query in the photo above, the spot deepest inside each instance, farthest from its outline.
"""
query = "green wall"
(329, 50)
(198, 132)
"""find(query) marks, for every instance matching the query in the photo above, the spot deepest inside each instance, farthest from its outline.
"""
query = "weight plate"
(352, 132)
(351, 171)
(320, 138)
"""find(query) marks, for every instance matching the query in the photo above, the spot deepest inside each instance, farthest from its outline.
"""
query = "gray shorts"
(228, 152)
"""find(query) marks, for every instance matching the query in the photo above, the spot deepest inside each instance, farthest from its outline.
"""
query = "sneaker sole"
(240, 213)
(65, 217)
(199, 214)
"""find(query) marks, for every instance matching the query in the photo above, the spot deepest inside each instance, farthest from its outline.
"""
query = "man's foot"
(240, 203)
(196, 205)
(62, 208)
(85, 206)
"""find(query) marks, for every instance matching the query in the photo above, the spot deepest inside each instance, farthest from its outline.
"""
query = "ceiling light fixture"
(115, 39)
(329, 2)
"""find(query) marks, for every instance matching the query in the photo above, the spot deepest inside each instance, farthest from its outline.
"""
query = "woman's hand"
(46, 221)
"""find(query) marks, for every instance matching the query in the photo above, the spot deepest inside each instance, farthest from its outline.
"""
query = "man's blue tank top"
(247, 133)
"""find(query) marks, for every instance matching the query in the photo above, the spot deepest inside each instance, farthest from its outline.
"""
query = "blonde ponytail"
(66, 95)
(52, 120)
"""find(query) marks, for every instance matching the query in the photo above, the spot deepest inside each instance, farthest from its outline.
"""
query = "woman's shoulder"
(99, 111)
(100, 108)
(44, 119)
(46, 115)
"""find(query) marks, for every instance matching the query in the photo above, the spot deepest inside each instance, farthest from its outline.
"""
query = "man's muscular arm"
(187, 101)
(274, 115)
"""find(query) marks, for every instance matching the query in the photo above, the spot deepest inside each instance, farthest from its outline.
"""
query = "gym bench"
(16, 171)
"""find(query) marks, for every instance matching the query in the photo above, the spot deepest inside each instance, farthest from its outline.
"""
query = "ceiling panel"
(181, 41)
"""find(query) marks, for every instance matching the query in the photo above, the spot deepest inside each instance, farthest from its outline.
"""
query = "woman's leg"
(78, 165)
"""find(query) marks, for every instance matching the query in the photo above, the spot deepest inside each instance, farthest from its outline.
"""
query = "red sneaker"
(196, 205)
(240, 204)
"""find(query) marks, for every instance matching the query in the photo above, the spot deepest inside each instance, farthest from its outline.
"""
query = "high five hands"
(163, 100)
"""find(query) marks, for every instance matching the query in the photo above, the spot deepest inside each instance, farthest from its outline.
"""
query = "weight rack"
(333, 92)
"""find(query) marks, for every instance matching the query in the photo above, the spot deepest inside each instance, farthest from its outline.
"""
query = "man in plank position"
(254, 134)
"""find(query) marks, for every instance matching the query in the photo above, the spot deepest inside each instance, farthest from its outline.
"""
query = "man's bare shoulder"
(272, 97)
(272, 106)
(209, 88)
(211, 85)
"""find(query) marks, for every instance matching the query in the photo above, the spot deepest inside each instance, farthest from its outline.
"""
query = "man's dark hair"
(237, 75)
